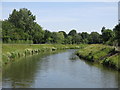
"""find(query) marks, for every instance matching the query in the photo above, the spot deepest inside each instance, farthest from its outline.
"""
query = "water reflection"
(21, 73)
(58, 70)
(73, 57)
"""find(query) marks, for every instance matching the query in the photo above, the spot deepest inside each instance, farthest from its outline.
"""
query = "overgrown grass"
(12, 51)
(100, 53)
(112, 61)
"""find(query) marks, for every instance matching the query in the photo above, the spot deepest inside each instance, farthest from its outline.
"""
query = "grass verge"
(11, 52)
(102, 54)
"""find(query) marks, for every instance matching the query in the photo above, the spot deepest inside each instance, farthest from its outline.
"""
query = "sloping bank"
(12, 51)
(102, 54)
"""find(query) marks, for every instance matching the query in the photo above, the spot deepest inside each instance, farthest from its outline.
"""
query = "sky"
(57, 16)
(59, 0)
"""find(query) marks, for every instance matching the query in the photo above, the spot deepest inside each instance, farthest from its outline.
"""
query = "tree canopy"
(21, 27)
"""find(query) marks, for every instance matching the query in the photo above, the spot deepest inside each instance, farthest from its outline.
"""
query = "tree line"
(21, 27)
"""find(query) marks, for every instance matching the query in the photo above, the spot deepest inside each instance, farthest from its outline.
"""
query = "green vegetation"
(21, 28)
(13, 51)
(112, 61)
(103, 54)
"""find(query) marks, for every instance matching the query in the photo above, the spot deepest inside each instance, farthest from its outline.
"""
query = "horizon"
(65, 16)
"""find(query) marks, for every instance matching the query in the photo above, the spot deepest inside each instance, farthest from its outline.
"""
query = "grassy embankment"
(106, 55)
(12, 51)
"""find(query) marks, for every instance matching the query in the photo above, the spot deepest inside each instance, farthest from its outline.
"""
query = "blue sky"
(56, 16)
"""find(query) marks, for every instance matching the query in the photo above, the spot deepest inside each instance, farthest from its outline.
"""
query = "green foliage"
(117, 33)
(64, 33)
(57, 37)
(103, 54)
(68, 40)
(21, 27)
(107, 34)
(76, 39)
(94, 38)
(111, 37)
(22, 19)
(47, 36)
(112, 61)
(72, 33)
(85, 35)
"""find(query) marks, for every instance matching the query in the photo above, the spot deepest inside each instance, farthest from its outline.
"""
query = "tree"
(21, 25)
(47, 36)
(103, 29)
(107, 34)
(85, 37)
(72, 33)
(64, 33)
(117, 33)
(68, 40)
(76, 39)
(7, 29)
(94, 37)
(60, 37)
(22, 19)
(57, 37)
(37, 34)
(38, 38)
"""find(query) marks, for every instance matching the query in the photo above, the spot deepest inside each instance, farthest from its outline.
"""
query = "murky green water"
(57, 70)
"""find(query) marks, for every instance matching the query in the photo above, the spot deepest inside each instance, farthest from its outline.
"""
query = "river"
(60, 69)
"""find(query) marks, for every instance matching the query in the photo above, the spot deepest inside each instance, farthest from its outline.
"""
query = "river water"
(58, 70)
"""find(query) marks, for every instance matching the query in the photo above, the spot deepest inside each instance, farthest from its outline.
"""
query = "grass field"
(12, 51)
(103, 54)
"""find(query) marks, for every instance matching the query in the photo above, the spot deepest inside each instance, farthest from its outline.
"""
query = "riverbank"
(106, 55)
(11, 52)
(57, 70)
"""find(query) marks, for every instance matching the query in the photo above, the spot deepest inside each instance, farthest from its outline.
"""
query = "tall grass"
(12, 51)
(112, 61)
(103, 54)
